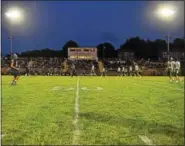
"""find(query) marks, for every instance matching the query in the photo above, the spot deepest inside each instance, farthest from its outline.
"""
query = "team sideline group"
(173, 69)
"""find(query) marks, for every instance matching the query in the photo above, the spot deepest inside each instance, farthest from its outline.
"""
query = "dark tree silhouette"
(106, 50)
(68, 45)
(42, 53)
(179, 43)
(100, 48)
(142, 49)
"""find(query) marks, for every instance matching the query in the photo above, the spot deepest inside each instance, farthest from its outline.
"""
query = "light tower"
(14, 15)
(166, 12)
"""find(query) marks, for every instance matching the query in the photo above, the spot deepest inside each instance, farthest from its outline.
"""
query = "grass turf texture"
(113, 110)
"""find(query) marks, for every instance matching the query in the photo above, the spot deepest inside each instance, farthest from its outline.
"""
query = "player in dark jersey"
(73, 70)
(14, 69)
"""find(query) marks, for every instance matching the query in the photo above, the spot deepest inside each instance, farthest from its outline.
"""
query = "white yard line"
(76, 132)
(146, 140)
(3, 135)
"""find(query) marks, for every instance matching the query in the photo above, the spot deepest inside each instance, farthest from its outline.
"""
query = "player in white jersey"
(170, 66)
(123, 71)
(130, 70)
(103, 72)
(177, 70)
(93, 70)
(119, 71)
(136, 70)
(126, 71)
(29, 67)
(173, 68)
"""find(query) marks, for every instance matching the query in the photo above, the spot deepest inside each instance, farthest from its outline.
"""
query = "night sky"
(50, 24)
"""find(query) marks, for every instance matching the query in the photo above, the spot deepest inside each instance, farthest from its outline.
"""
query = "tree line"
(142, 48)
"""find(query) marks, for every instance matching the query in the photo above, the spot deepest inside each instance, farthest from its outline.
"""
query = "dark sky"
(50, 24)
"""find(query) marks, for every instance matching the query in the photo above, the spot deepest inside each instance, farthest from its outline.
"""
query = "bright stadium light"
(14, 15)
(165, 12)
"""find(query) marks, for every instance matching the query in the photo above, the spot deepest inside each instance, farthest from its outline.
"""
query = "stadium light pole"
(13, 16)
(167, 13)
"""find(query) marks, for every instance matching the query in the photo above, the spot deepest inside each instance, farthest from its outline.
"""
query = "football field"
(43, 110)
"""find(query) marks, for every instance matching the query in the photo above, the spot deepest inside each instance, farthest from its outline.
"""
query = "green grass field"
(112, 110)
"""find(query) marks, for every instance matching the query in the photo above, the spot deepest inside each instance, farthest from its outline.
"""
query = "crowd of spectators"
(48, 66)
(37, 66)
(83, 67)
(61, 66)
(113, 64)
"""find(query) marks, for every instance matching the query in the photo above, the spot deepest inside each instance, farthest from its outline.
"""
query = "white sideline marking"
(99, 88)
(84, 88)
(60, 88)
(76, 132)
(56, 88)
(146, 140)
(70, 89)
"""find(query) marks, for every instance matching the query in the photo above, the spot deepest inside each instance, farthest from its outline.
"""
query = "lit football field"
(92, 110)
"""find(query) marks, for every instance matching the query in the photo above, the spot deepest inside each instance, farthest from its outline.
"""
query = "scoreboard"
(82, 53)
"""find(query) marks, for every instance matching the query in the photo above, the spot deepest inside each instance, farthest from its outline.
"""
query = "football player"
(177, 70)
(93, 70)
(119, 71)
(136, 70)
(103, 72)
(14, 69)
(126, 71)
(130, 70)
(123, 71)
(170, 65)
(73, 70)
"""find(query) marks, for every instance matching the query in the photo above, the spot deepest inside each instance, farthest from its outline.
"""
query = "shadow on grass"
(137, 125)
